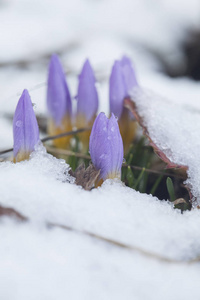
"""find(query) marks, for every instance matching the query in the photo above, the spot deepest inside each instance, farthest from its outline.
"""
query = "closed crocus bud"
(128, 73)
(58, 103)
(122, 82)
(87, 102)
(25, 128)
(106, 147)
(117, 90)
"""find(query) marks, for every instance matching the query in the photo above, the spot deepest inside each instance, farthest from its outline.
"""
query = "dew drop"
(124, 160)
(34, 106)
(19, 123)
(112, 128)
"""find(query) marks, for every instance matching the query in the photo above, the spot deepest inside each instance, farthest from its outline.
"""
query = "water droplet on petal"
(112, 128)
(34, 106)
(124, 160)
(19, 123)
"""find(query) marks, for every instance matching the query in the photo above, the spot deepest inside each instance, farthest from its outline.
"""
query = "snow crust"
(40, 262)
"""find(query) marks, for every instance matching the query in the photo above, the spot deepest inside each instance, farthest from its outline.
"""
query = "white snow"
(41, 262)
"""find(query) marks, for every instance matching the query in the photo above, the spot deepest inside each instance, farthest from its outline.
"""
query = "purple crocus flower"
(117, 90)
(58, 96)
(128, 73)
(106, 147)
(122, 81)
(87, 97)
(25, 128)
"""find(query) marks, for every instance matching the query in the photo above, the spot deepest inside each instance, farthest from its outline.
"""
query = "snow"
(122, 244)
(41, 262)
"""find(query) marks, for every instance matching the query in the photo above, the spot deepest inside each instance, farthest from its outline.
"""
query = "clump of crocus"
(58, 103)
(25, 128)
(106, 147)
(87, 102)
(122, 82)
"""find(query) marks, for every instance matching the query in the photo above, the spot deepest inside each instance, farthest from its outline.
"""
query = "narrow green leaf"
(130, 177)
(139, 178)
(156, 184)
(170, 188)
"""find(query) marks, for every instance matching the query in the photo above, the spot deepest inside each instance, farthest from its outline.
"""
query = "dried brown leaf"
(179, 201)
(85, 177)
(130, 104)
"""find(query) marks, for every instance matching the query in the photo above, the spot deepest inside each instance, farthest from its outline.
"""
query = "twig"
(54, 137)
(73, 132)
(84, 156)
(67, 152)
(153, 171)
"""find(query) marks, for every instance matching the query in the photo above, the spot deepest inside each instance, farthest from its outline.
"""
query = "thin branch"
(6, 151)
(84, 156)
(54, 137)
(67, 152)
(73, 132)
(153, 171)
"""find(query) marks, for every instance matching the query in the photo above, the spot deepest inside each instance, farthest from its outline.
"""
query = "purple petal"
(106, 146)
(117, 90)
(128, 73)
(58, 96)
(87, 98)
(25, 127)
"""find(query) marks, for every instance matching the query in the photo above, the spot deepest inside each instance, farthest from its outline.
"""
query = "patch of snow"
(42, 192)
(39, 262)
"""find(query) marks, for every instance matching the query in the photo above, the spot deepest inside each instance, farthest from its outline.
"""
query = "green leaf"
(139, 178)
(170, 188)
(130, 177)
(156, 184)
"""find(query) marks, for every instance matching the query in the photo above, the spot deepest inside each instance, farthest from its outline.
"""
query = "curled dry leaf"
(179, 201)
(85, 177)
(130, 104)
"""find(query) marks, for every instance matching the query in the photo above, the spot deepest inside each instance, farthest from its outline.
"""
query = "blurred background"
(162, 37)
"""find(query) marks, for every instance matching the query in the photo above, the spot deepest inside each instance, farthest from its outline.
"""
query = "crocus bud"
(106, 147)
(117, 90)
(122, 82)
(25, 128)
(87, 102)
(58, 102)
(129, 74)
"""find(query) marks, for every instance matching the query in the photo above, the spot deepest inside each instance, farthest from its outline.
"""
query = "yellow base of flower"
(21, 155)
(112, 175)
(127, 128)
(84, 136)
(65, 126)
